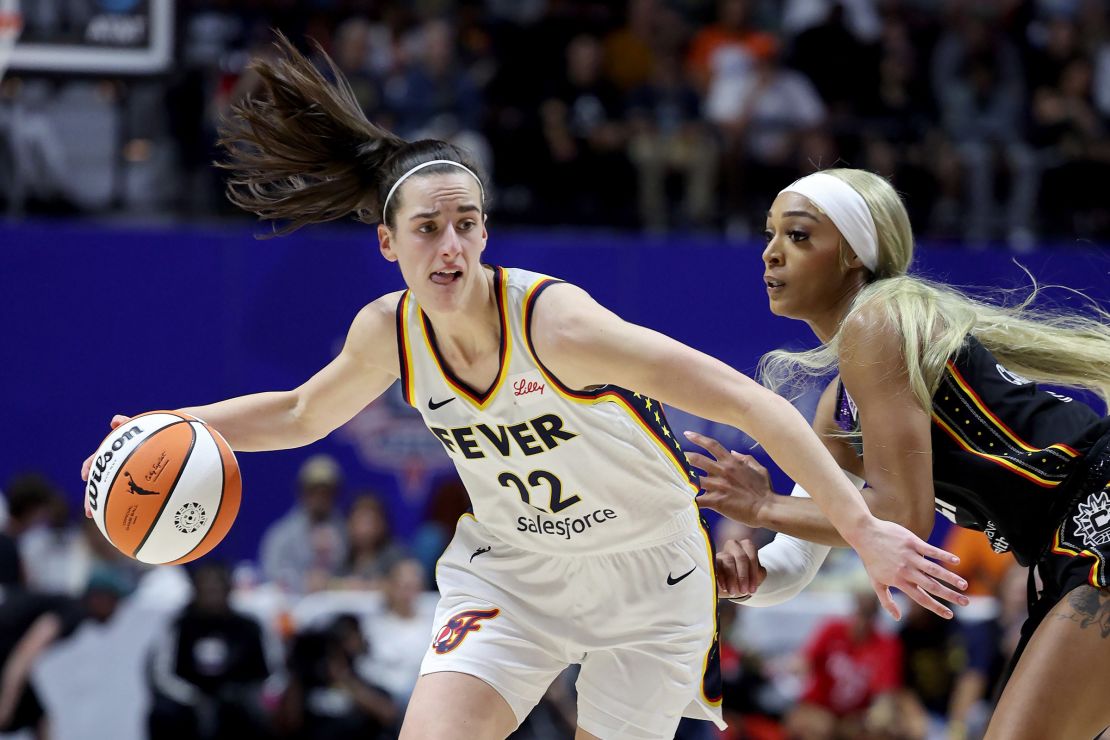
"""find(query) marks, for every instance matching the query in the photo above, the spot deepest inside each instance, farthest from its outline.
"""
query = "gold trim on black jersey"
(961, 413)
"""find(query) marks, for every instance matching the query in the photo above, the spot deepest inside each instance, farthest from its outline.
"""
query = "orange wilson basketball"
(164, 487)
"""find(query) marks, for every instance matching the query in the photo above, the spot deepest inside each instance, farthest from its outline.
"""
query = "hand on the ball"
(738, 570)
(87, 465)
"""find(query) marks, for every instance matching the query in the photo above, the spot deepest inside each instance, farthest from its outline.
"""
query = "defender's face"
(439, 238)
(804, 273)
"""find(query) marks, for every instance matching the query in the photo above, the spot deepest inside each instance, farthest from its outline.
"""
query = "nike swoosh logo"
(672, 581)
(433, 405)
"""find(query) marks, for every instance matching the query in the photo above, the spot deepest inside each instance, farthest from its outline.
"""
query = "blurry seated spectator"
(104, 557)
(731, 36)
(668, 137)
(29, 624)
(326, 699)
(371, 549)
(1071, 137)
(587, 175)
(851, 664)
(401, 633)
(28, 498)
(934, 656)
(433, 95)
(291, 549)
(751, 704)
(55, 554)
(849, 86)
(979, 84)
(207, 671)
(447, 502)
(630, 51)
(989, 637)
(764, 112)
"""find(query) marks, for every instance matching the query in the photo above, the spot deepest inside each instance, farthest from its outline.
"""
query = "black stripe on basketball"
(223, 487)
(122, 465)
(169, 493)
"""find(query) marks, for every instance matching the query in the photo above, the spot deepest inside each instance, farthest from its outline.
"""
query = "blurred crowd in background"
(990, 117)
(322, 635)
(662, 116)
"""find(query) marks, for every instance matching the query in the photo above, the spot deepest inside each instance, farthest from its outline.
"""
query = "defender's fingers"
(727, 568)
(748, 460)
(887, 600)
(702, 462)
(119, 419)
(715, 448)
(927, 601)
(756, 572)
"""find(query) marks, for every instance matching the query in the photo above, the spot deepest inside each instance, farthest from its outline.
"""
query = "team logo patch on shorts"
(1093, 519)
(459, 626)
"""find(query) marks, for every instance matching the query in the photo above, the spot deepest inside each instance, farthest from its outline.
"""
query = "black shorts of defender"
(1079, 551)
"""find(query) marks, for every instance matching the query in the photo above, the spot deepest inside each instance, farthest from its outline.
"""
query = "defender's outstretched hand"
(737, 486)
(87, 465)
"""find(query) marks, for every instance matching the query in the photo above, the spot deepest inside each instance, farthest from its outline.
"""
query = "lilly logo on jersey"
(527, 388)
(458, 627)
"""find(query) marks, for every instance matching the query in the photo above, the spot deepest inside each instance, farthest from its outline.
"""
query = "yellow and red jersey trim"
(1001, 425)
(639, 407)
(1058, 548)
(997, 459)
(504, 353)
(404, 350)
(711, 689)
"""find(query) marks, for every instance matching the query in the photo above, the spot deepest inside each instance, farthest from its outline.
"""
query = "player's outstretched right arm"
(364, 369)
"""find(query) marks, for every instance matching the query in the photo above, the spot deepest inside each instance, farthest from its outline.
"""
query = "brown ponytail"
(304, 152)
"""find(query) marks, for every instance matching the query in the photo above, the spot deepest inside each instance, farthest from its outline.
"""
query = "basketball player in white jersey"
(584, 545)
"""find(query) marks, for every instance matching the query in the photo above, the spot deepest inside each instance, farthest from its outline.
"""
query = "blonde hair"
(1058, 348)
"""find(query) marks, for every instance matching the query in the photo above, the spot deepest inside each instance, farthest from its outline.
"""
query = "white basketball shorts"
(641, 622)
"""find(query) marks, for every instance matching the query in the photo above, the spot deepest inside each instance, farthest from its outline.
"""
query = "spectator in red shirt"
(851, 665)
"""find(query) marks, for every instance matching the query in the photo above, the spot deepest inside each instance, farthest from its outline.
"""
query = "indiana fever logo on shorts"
(459, 626)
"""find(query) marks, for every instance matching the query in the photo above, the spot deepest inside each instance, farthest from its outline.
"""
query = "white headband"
(846, 208)
(417, 168)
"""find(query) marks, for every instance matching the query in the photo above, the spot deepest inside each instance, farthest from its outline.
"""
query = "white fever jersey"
(548, 468)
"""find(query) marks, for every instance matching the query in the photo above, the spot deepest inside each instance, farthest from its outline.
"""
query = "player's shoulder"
(375, 325)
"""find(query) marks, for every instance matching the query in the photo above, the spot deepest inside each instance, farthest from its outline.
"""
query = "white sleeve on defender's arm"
(791, 563)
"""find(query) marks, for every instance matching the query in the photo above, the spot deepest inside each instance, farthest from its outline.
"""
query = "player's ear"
(385, 243)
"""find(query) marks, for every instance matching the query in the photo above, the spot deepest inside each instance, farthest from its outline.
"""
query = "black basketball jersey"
(1004, 450)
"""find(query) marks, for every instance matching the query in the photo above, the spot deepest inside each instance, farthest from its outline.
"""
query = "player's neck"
(826, 324)
(474, 331)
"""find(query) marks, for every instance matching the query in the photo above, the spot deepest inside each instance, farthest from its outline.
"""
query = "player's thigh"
(1067, 666)
(640, 691)
(457, 706)
(491, 625)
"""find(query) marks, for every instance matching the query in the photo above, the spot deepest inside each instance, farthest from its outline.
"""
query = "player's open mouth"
(773, 285)
(446, 277)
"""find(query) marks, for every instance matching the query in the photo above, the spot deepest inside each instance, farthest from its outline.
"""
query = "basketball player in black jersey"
(937, 403)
